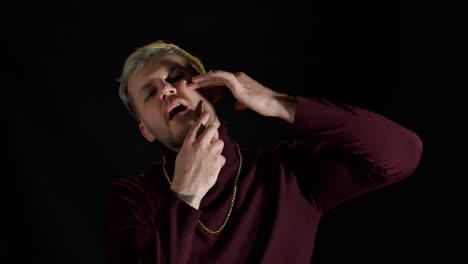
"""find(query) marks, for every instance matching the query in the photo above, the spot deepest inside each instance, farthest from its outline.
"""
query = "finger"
(199, 125)
(213, 74)
(215, 136)
(207, 135)
(208, 75)
(206, 84)
(217, 124)
(218, 146)
(222, 160)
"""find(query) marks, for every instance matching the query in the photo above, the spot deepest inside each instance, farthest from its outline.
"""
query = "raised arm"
(351, 150)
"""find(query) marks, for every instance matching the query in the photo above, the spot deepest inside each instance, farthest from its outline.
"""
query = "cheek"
(152, 115)
(192, 95)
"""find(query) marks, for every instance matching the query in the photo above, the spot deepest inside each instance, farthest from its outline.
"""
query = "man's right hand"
(199, 161)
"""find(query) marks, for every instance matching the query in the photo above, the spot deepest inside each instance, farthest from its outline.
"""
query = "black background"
(68, 135)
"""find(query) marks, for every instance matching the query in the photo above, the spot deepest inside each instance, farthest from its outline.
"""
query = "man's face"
(166, 107)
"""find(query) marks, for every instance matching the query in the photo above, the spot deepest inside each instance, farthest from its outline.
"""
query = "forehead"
(156, 66)
(159, 64)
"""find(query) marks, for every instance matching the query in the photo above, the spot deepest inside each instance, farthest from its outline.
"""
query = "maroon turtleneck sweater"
(283, 190)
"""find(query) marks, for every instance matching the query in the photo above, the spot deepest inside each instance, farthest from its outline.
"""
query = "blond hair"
(139, 57)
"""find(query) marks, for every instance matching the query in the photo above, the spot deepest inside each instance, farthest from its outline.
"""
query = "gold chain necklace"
(233, 194)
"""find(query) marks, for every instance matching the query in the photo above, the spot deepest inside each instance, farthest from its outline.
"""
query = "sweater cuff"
(176, 209)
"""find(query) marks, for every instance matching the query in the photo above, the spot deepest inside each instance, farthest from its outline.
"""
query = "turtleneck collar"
(227, 174)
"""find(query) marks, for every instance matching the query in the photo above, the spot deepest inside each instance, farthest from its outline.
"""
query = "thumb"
(238, 106)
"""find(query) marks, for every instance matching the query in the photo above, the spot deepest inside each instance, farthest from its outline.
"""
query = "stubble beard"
(177, 138)
(189, 120)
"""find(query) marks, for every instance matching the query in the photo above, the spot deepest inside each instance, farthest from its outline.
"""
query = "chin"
(180, 131)
(178, 139)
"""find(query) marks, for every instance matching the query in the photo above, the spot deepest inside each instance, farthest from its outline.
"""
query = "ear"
(146, 132)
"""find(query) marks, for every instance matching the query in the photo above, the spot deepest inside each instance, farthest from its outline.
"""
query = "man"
(211, 201)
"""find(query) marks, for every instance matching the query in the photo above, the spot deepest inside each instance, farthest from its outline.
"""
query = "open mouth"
(177, 111)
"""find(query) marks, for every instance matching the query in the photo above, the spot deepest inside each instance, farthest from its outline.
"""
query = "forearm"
(386, 145)
(284, 106)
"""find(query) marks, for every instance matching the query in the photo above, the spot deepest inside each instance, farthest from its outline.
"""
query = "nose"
(167, 89)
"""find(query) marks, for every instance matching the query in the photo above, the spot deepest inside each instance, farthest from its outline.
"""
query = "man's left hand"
(248, 92)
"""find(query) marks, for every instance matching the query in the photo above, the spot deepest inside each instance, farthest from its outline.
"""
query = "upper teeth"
(175, 106)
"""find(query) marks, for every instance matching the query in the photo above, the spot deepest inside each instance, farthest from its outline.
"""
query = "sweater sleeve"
(349, 151)
(133, 235)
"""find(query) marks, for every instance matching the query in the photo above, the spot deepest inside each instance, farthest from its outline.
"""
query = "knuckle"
(197, 145)
(233, 78)
(216, 147)
(240, 75)
(213, 127)
(221, 160)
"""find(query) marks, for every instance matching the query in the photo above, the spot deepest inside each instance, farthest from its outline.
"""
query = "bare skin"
(194, 134)
(249, 94)
(198, 162)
